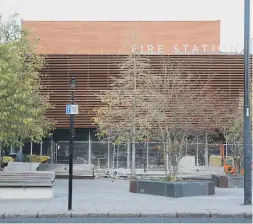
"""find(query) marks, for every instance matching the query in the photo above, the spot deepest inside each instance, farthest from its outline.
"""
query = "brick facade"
(123, 37)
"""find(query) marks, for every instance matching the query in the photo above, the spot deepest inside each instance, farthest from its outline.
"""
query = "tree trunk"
(2, 156)
(165, 158)
(175, 168)
(170, 155)
(133, 174)
(128, 155)
(174, 160)
(197, 152)
(178, 155)
(169, 163)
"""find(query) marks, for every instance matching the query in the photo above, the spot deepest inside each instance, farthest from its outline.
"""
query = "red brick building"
(124, 37)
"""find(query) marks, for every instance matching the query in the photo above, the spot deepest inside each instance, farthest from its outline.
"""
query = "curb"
(194, 215)
(127, 215)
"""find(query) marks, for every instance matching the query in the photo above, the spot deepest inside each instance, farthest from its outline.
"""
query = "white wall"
(230, 12)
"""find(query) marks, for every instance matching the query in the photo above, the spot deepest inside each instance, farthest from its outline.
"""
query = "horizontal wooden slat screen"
(92, 73)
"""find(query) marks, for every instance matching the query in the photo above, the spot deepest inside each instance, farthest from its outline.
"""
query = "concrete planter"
(228, 181)
(26, 192)
(173, 189)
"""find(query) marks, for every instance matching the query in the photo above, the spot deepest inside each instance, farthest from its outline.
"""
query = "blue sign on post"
(68, 109)
(71, 109)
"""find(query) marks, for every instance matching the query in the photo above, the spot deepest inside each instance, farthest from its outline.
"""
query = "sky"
(230, 12)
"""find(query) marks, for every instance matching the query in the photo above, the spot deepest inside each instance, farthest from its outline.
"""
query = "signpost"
(71, 109)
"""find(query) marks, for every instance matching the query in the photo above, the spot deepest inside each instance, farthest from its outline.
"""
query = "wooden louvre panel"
(92, 73)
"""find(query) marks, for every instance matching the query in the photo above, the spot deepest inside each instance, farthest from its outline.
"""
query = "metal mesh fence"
(45, 148)
(80, 152)
(106, 155)
(99, 154)
(155, 156)
(118, 156)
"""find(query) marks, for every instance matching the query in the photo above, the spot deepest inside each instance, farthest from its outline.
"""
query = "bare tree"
(181, 105)
(122, 116)
(233, 132)
(167, 107)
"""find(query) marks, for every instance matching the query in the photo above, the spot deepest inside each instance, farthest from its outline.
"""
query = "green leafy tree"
(23, 104)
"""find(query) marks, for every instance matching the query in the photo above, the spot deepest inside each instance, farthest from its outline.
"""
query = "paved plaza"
(112, 197)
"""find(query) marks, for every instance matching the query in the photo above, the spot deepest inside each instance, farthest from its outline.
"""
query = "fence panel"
(155, 156)
(80, 152)
(118, 155)
(233, 149)
(47, 148)
(140, 155)
(99, 154)
(148, 155)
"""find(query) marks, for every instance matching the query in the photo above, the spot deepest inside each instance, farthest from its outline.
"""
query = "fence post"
(118, 157)
(108, 157)
(51, 150)
(226, 149)
(147, 156)
(206, 151)
(186, 146)
(41, 148)
(226, 146)
(167, 160)
(128, 155)
(31, 152)
(113, 156)
(197, 154)
(55, 153)
(89, 154)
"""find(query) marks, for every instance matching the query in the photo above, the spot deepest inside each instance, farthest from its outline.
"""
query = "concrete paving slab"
(104, 196)
(37, 207)
(129, 207)
(75, 206)
(88, 207)
(104, 207)
(54, 207)
(14, 207)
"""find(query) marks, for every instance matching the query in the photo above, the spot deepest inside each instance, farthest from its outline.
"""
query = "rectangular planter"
(152, 187)
(228, 181)
(173, 189)
(220, 181)
(235, 181)
(133, 186)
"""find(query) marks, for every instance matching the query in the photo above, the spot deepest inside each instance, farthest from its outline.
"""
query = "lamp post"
(70, 112)
(247, 135)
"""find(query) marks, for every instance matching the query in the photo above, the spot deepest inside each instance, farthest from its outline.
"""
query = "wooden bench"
(26, 185)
